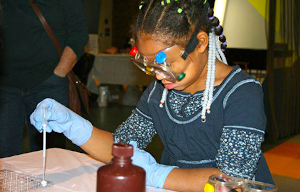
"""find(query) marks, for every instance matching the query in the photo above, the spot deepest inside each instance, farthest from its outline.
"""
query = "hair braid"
(146, 12)
(162, 15)
(166, 21)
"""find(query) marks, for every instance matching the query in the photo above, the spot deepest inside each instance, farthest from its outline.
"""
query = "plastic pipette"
(44, 124)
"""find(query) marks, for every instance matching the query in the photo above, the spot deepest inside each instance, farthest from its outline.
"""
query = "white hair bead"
(163, 98)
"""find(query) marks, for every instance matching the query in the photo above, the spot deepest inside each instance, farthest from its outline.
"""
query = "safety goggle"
(161, 62)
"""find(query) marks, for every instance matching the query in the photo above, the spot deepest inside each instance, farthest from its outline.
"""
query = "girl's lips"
(169, 85)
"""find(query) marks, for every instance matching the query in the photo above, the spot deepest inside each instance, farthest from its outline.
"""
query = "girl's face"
(193, 66)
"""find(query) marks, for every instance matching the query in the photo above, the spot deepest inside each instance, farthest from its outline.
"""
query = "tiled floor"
(108, 118)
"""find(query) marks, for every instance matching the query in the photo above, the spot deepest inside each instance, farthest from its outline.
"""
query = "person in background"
(208, 115)
(31, 68)
(111, 50)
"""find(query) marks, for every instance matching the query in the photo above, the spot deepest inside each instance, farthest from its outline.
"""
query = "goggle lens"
(158, 66)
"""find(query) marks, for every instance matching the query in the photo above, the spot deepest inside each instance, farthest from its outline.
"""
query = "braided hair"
(177, 22)
(175, 19)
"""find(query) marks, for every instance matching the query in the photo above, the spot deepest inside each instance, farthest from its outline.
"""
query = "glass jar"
(224, 183)
(255, 186)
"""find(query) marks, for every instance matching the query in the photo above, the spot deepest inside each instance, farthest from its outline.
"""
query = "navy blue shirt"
(29, 56)
(230, 139)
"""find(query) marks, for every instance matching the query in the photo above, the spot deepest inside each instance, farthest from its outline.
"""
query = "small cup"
(255, 186)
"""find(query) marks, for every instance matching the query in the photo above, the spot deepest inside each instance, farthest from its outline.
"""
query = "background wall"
(92, 12)
(105, 24)
(244, 26)
(111, 20)
(124, 13)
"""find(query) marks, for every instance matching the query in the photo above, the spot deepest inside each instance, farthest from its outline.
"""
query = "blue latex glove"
(156, 173)
(62, 120)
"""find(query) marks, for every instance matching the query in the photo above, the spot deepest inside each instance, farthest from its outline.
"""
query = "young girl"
(209, 116)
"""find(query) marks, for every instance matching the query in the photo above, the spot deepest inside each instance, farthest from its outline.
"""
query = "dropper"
(44, 124)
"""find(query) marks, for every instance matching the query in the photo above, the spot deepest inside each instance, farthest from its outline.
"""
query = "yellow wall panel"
(260, 6)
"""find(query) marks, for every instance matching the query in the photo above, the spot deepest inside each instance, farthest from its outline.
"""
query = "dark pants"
(16, 106)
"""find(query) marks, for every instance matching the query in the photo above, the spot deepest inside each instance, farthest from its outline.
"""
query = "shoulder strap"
(46, 26)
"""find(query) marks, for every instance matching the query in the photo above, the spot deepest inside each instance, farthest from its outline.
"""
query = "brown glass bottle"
(121, 175)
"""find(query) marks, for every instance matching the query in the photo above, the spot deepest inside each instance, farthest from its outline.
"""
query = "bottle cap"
(122, 150)
(160, 57)
(133, 51)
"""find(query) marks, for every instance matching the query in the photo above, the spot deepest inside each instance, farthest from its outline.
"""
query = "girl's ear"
(203, 41)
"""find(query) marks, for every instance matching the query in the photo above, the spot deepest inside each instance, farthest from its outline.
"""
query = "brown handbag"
(78, 92)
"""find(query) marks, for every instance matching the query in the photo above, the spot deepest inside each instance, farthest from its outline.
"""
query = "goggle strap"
(193, 42)
(184, 55)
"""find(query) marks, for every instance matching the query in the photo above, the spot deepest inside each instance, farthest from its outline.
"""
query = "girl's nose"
(158, 77)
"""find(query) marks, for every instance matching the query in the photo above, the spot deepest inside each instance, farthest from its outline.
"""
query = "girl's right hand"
(62, 120)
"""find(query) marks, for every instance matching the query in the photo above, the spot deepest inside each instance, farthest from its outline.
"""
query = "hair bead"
(163, 98)
(210, 12)
(220, 52)
(222, 38)
(224, 45)
(219, 30)
(141, 5)
(162, 3)
(179, 10)
(215, 22)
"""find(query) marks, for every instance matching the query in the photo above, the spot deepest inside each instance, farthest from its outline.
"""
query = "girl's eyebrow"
(154, 53)
(149, 55)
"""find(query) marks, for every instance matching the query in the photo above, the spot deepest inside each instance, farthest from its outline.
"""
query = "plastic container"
(103, 96)
(121, 175)
(223, 183)
(255, 186)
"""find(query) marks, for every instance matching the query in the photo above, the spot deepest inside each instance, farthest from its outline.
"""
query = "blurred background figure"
(111, 50)
(31, 68)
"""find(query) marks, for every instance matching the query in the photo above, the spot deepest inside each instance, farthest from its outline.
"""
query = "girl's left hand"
(156, 173)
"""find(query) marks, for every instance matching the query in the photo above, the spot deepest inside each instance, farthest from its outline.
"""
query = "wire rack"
(13, 180)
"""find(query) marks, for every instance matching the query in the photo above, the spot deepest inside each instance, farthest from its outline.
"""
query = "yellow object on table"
(209, 188)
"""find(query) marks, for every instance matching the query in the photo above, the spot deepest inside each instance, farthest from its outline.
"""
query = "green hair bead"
(141, 5)
(179, 10)
(204, 1)
(162, 3)
(168, 1)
